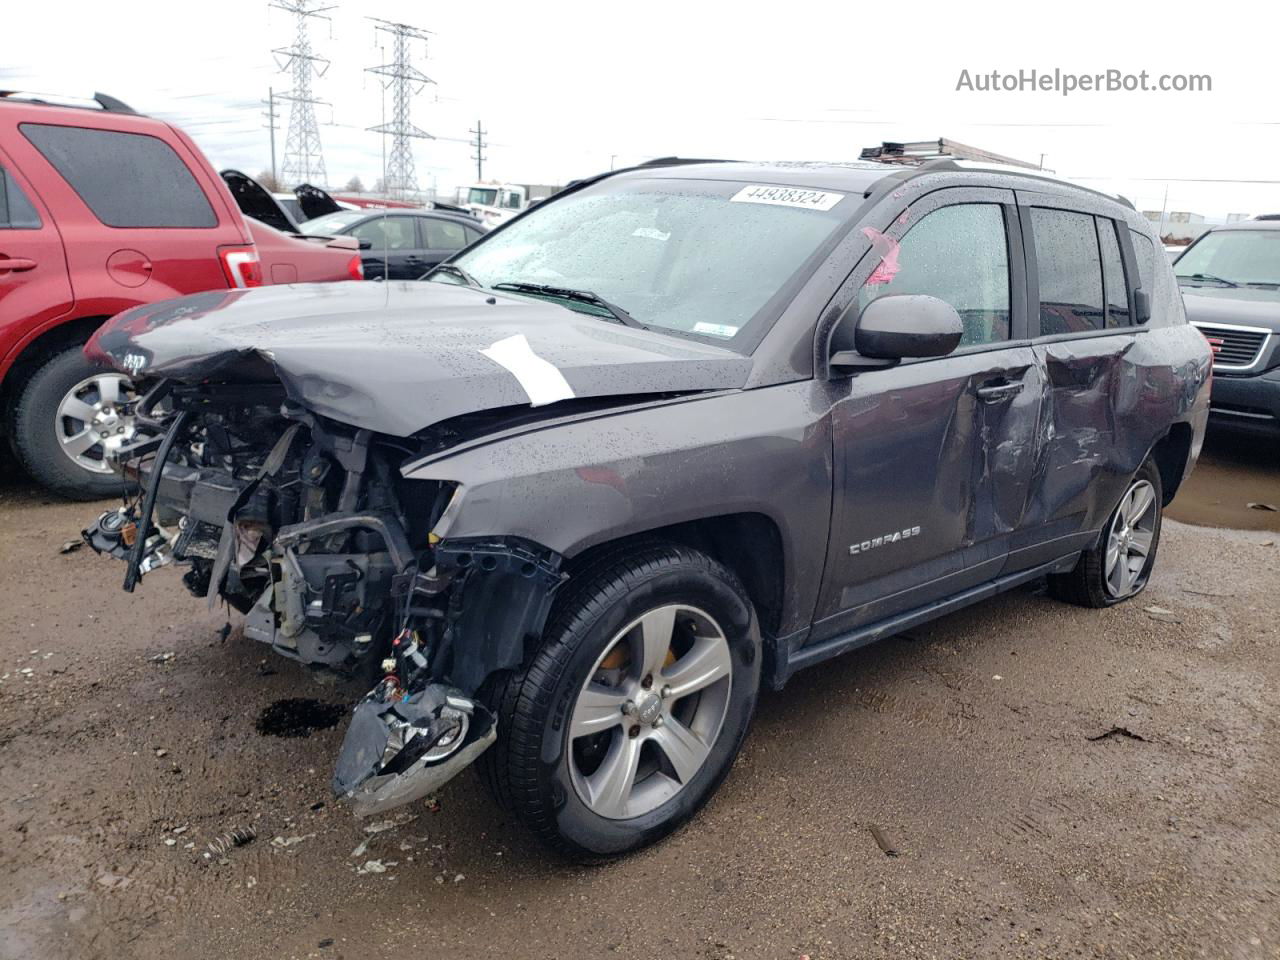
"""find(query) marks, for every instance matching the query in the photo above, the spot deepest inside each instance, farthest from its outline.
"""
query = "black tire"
(33, 431)
(527, 769)
(1085, 584)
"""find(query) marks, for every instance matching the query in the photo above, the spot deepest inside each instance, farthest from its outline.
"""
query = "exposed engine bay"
(308, 528)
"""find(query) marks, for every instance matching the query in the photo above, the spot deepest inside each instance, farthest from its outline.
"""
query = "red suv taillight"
(355, 268)
(241, 265)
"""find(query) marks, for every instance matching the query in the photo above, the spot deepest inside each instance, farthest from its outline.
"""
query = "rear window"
(332, 223)
(444, 234)
(126, 179)
(16, 211)
(1113, 274)
(1070, 271)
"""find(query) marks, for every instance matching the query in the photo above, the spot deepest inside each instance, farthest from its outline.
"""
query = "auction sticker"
(787, 197)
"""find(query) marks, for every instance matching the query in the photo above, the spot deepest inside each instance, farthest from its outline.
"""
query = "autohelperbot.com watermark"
(1066, 82)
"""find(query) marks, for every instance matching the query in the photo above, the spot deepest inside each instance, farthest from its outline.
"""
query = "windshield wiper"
(456, 270)
(566, 293)
(1207, 276)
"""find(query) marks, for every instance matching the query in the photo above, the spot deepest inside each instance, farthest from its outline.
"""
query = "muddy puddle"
(1236, 468)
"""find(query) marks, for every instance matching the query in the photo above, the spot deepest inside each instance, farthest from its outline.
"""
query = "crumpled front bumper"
(400, 747)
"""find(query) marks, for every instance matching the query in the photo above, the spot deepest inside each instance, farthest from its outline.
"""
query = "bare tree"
(269, 182)
(354, 185)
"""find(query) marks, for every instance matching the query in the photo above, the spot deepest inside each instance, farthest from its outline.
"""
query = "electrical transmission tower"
(404, 79)
(479, 156)
(303, 159)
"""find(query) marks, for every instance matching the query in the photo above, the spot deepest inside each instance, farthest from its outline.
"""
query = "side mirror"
(897, 328)
(1141, 305)
(365, 243)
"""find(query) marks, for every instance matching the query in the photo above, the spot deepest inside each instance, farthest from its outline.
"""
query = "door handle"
(16, 264)
(995, 392)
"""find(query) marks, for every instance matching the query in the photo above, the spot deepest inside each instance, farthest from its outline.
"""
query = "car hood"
(254, 201)
(314, 201)
(396, 357)
(1248, 306)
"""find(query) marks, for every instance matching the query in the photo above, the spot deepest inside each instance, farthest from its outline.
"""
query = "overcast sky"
(567, 88)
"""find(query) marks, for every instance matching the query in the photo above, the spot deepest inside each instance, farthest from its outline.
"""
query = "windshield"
(1234, 256)
(332, 223)
(700, 257)
(484, 198)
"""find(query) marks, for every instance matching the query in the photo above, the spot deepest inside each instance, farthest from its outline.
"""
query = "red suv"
(101, 209)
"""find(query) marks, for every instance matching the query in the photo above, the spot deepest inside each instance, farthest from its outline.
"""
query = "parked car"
(102, 209)
(287, 255)
(675, 434)
(297, 258)
(400, 244)
(1230, 280)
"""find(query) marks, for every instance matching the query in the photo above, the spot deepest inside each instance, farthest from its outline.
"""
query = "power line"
(405, 80)
(303, 158)
(479, 156)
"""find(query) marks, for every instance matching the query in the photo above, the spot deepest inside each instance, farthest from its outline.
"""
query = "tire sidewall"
(576, 823)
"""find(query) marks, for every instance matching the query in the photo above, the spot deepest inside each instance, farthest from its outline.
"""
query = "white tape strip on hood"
(540, 379)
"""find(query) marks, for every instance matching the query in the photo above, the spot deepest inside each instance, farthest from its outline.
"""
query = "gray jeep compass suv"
(672, 435)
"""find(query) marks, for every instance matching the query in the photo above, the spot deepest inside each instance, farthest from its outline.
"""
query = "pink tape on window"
(886, 248)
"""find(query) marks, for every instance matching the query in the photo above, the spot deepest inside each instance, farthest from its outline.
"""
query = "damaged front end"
(307, 527)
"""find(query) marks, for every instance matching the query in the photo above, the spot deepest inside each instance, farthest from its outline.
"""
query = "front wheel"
(1120, 564)
(632, 711)
(69, 419)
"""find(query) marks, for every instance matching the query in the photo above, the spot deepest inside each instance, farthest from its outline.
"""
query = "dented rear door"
(1081, 277)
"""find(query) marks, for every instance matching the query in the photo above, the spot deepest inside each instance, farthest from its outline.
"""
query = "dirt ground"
(1058, 782)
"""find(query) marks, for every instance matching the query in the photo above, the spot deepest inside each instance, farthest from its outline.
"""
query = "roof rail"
(105, 102)
(678, 161)
(1267, 216)
(948, 165)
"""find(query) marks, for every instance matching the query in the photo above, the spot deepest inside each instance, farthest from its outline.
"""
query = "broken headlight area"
(308, 528)
(401, 746)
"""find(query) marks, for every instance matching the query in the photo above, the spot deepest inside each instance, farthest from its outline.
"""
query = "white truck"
(495, 202)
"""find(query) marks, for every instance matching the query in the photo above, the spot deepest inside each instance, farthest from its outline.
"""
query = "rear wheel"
(69, 416)
(632, 711)
(1120, 564)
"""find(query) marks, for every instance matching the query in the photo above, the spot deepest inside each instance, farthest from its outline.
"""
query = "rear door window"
(16, 211)
(958, 254)
(1113, 274)
(443, 234)
(387, 233)
(126, 179)
(1071, 297)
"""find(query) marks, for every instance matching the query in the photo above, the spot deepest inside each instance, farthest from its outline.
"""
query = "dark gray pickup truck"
(678, 432)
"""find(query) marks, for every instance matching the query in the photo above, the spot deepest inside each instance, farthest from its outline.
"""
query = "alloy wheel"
(1129, 541)
(649, 712)
(93, 422)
